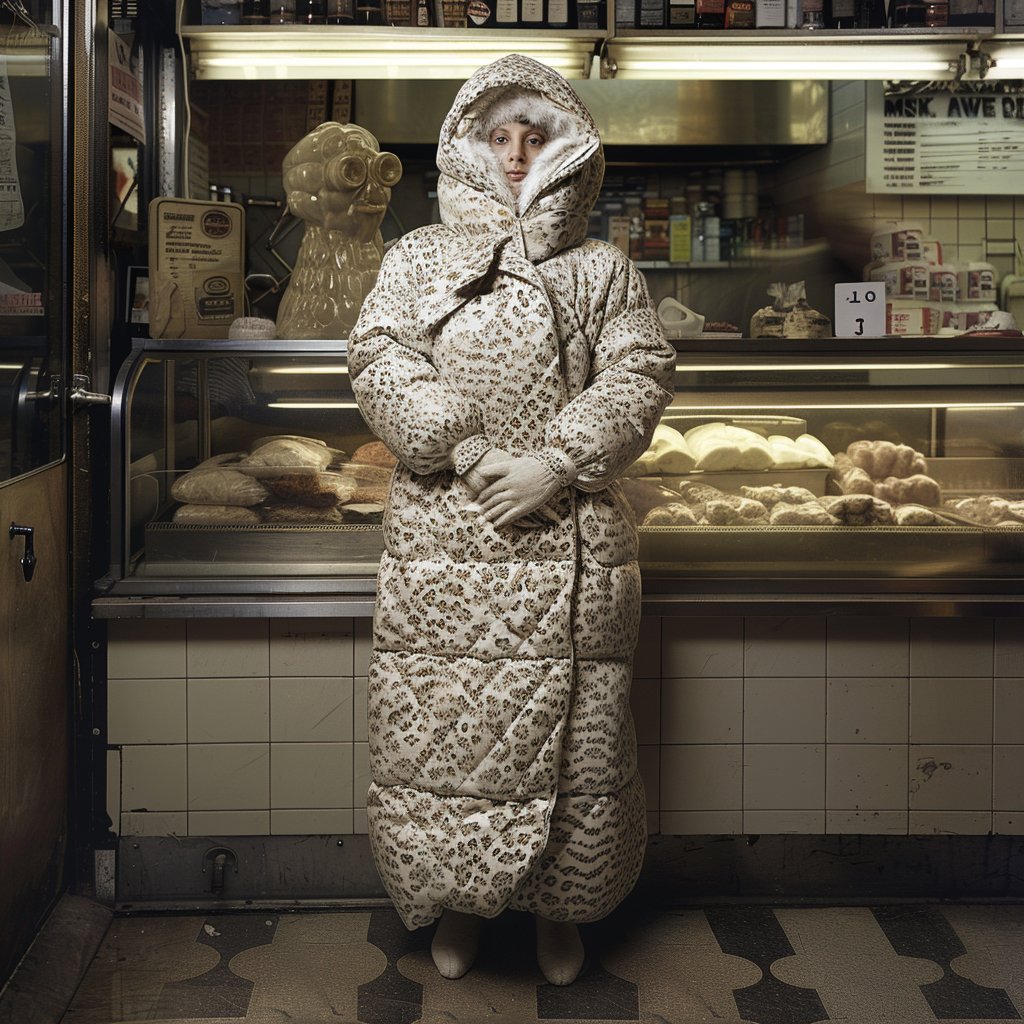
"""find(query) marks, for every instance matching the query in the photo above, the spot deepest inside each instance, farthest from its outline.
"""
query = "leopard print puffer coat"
(502, 753)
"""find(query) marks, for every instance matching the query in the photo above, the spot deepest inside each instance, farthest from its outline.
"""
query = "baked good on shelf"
(720, 446)
(858, 509)
(288, 452)
(314, 490)
(362, 513)
(218, 485)
(989, 509)
(786, 454)
(816, 449)
(215, 515)
(367, 483)
(849, 478)
(881, 459)
(644, 495)
(810, 513)
(697, 495)
(301, 515)
(734, 510)
(668, 452)
(771, 494)
(917, 489)
(673, 514)
(918, 515)
(375, 453)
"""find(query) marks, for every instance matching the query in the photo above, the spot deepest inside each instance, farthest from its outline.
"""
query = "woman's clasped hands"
(509, 487)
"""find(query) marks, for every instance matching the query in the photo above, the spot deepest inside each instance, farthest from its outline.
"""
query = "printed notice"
(126, 110)
(941, 142)
(12, 208)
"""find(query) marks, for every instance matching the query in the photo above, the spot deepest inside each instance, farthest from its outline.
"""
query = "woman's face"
(516, 147)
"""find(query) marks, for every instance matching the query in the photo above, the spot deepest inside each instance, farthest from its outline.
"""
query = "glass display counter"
(824, 473)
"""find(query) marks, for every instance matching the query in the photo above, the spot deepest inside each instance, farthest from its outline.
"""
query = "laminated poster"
(12, 209)
(944, 142)
(196, 267)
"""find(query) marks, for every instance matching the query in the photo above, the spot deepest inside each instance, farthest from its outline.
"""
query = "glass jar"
(282, 12)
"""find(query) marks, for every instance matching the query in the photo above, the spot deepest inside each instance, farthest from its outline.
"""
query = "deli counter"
(804, 476)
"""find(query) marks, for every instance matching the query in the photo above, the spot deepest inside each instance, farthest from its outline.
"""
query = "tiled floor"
(785, 965)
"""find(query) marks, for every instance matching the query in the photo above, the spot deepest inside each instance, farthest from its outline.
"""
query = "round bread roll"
(375, 453)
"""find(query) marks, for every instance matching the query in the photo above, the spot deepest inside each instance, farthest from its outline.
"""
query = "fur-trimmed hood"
(552, 210)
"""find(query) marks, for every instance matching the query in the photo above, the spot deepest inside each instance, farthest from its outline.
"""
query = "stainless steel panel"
(832, 551)
(174, 550)
(628, 113)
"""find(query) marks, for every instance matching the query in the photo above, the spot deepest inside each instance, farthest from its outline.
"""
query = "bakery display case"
(837, 471)
(241, 466)
(818, 473)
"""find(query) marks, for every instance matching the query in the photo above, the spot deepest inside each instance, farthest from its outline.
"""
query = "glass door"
(34, 600)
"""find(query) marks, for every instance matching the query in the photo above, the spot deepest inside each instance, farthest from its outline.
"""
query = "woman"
(516, 369)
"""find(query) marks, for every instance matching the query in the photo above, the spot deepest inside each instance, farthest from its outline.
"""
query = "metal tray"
(176, 549)
(876, 551)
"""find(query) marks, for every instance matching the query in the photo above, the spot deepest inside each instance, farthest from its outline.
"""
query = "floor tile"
(902, 964)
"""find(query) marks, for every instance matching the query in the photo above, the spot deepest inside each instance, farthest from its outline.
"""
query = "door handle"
(81, 395)
(28, 561)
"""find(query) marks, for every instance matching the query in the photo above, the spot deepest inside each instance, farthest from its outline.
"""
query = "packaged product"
(978, 282)
(903, 278)
(897, 241)
(789, 315)
(912, 316)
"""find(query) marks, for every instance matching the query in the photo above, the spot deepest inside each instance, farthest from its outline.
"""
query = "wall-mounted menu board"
(945, 143)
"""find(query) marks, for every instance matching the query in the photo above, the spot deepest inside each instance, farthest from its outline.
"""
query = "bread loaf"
(285, 452)
(218, 486)
(305, 489)
(375, 453)
(918, 489)
(859, 509)
(719, 446)
(881, 459)
(673, 514)
(772, 494)
(216, 515)
(918, 515)
(810, 513)
(668, 453)
(733, 510)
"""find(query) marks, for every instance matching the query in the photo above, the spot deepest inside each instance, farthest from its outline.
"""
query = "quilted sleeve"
(401, 395)
(606, 427)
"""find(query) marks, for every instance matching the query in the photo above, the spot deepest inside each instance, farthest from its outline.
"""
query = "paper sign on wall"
(12, 208)
(860, 310)
(945, 142)
(126, 110)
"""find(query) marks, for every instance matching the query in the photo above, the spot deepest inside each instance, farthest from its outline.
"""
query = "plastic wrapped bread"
(216, 515)
(789, 315)
(218, 485)
(289, 454)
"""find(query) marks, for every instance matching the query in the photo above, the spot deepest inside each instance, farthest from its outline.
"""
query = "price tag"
(860, 310)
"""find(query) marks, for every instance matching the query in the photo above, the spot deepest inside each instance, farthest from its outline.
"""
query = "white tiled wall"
(827, 185)
(756, 725)
(237, 727)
